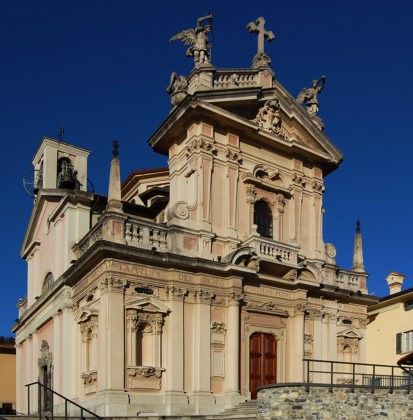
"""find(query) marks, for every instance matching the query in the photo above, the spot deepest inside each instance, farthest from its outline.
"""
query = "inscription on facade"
(266, 291)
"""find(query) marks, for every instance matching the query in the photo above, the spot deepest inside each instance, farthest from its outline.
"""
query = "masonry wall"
(295, 403)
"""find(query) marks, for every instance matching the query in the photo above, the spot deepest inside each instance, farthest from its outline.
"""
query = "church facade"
(187, 287)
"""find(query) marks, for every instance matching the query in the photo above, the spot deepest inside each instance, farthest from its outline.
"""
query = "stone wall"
(293, 402)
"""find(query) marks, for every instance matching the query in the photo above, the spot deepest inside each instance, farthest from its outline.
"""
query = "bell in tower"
(60, 165)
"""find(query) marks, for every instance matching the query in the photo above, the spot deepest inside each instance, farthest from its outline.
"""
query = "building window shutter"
(398, 343)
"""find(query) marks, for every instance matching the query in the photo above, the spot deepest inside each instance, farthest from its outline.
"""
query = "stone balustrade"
(94, 235)
(146, 235)
(273, 251)
(350, 280)
(230, 79)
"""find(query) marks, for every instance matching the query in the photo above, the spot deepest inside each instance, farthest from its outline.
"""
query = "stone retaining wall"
(293, 402)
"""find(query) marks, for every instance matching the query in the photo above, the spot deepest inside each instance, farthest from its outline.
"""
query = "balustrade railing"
(145, 235)
(270, 250)
(234, 79)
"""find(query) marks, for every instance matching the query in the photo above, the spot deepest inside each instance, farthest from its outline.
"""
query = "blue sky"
(101, 69)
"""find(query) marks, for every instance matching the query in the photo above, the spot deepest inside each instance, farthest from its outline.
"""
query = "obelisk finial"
(114, 194)
(358, 263)
(258, 27)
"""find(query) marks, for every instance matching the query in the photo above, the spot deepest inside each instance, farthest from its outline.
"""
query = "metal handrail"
(66, 400)
(391, 381)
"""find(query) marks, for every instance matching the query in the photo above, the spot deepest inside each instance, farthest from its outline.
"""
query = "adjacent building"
(187, 287)
(390, 328)
(7, 375)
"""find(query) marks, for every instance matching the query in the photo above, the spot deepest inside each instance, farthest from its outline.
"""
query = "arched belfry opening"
(263, 219)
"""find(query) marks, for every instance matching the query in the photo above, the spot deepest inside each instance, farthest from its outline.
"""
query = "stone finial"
(309, 95)
(178, 88)
(358, 264)
(395, 282)
(197, 40)
(258, 27)
(114, 194)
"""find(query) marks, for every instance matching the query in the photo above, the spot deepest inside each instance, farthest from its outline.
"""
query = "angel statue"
(309, 95)
(199, 45)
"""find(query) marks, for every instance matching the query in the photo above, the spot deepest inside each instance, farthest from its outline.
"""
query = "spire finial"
(114, 194)
(115, 150)
(358, 263)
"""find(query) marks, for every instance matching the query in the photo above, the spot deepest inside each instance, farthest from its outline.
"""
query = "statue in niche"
(309, 95)
(178, 88)
(197, 40)
(268, 117)
(45, 375)
(66, 175)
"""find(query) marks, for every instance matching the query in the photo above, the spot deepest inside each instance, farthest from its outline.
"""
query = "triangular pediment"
(350, 333)
(148, 304)
(298, 136)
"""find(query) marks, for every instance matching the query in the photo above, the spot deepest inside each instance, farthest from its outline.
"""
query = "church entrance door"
(263, 361)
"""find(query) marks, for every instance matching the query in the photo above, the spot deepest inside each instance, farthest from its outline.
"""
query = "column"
(232, 349)
(202, 396)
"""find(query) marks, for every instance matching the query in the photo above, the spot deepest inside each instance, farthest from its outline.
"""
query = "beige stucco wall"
(384, 324)
(8, 378)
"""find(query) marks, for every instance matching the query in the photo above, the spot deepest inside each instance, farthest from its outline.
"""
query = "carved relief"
(218, 327)
(145, 371)
(179, 210)
(200, 145)
(269, 118)
(233, 155)
(89, 378)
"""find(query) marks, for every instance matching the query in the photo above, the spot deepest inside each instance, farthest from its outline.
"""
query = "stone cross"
(257, 27)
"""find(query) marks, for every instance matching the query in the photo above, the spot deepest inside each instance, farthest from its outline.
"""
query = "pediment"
(350, 333)
(85, 314)
(149, 304)
(298, 135)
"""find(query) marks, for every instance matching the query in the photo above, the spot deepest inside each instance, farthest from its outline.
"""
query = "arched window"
(263, 219)
(47, 283)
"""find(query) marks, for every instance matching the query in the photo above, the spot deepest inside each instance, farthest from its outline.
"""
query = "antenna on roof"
(61, 134)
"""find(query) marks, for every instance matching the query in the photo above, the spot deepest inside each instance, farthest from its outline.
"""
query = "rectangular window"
(404, 342)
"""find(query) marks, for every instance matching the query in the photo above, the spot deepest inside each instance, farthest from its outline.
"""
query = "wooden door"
(263, 361)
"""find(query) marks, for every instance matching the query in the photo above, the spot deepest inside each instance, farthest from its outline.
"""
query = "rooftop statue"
(309, 95)
(197, 39)
(258, 27)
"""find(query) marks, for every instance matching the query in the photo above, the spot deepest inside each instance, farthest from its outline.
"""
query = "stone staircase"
(246, 410)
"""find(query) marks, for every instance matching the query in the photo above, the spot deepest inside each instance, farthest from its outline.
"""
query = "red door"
(263, 361)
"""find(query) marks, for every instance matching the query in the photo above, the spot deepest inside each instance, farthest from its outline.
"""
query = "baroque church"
(188, 287)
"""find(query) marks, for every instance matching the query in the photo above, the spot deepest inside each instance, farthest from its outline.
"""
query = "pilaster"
(202, 396)
(174, 375)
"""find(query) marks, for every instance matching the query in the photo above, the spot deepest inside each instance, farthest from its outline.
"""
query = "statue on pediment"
(197, 40)
(309, 95)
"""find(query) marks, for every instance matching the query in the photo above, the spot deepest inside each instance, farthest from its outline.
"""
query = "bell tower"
(60, 165)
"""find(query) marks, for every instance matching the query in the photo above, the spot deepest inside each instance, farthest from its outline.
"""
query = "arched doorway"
(263, 361)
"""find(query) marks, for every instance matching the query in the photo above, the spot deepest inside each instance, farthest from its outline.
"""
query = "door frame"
(280, 338)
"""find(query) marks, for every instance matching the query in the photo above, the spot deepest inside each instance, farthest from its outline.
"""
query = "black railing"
(355, 375)
(45, 404)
